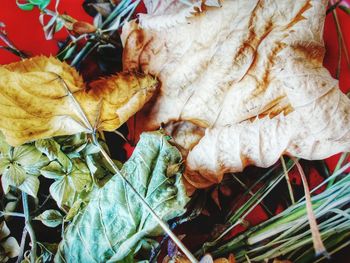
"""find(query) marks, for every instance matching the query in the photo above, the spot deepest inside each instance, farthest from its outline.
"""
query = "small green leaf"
(73, 211)
(44, 4)
(30, 185)
(26, 155)
(52, 171)
(25, 6)
(51, 218)
(14, 175)
(62, 192)
(35, 2)
(59, 25)
(69, 52)
(68, 186)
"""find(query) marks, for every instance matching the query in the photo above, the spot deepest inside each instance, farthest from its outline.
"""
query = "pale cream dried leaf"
(34, 101)
(167, 13)
(250, 75)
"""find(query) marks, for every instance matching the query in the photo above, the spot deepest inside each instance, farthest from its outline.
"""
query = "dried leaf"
(119, 221)
(254, 82)
(81, 27)
(34, 101)
(167, 13)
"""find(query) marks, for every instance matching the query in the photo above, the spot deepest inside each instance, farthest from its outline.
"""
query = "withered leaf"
(34, 100)
(249, 76)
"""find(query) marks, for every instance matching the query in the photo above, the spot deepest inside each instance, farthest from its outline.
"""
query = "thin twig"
(23, 244)
(316, 236)
(290, 189)
(10, 46)
(14, 214)
(29, 227)
(251, 194)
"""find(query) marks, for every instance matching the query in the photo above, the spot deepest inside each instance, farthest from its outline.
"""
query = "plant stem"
(23, 244)
(14, 214)
(29, 227)
(10, 46)
(290, 189)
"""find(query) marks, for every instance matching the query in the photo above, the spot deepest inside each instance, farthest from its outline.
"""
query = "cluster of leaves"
(73, 162)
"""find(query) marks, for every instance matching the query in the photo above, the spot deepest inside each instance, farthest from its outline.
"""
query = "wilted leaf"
(114, 222)
(51, 218)
(34, 103)
(254, 84)
(81, 27)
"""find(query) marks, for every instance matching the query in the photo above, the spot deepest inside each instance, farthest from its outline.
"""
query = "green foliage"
(30, 4)
(114, 226)
(51, 218)
(75, 165)
(20, 167)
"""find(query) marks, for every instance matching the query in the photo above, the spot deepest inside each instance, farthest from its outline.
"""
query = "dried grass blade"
(316, 236)
(290, 189)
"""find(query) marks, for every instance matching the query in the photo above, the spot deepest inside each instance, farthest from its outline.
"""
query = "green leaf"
(68, 186)
(26, 155)
(4, 164)
(14, 175)
(62, 192)
(59, 25)
(53, 151)
(44, 4)
(73, 211)
(53, 171)
(30, 185)
(25, 7)
(51, 218)
(114, 222)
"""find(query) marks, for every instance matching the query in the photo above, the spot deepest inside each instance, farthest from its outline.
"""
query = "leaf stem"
(29, 227)
(290, 189)
(23, 244)
(14, 214)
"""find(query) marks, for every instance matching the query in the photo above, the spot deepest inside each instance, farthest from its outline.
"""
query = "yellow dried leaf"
(34, 100)
(249, 76)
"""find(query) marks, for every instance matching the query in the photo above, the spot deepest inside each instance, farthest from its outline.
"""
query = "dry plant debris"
(241, 84)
